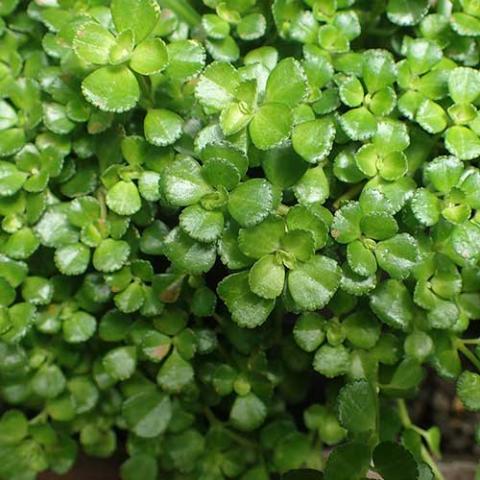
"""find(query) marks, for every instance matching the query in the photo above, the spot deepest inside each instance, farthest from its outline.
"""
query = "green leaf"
(313, 284)
(286, 84)
(182, 182)
(139, 16)
(131, 299)
(186, 59)
(122, 50)
(267, 277)
(300, 244)
(300, 218)
(465, 25)
(357, 407)
(48, 381)
(13, 427)
(444, 172)
(392, 303)
(251, 202)
(379, 70)
(348, 462)
(313, 187)
(217, 85)
(247, 309)
(462, 142)
(188, 254)
(92, 43)
(147, 413)
(332, 361)
(362, 329)
(464, 84)
(150, 57)
(11, 179)
(111, 255)
(79, 327)
(359, 124)
(309, 331)
(313, 140)
(394, 462)
(426, 207)
(123, 198)
(263, 238)
(11, 141)
(406, 13)
(162, 127)
(112, 89)
(271, 125)
(120, 362)
(468, 389)
(361, 259)
(139, 466)
(431, 117)
(201, 224)
(346, 223)
(398, 256)
(175, 374)
(248, 412)
(252, 26)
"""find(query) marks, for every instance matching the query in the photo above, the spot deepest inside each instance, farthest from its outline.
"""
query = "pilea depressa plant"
(236, 234)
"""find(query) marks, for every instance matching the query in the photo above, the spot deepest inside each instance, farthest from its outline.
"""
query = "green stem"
(468, 353)
(470, 341)
(183, 10)
(407, 423)
(348, 195)
(432, 464)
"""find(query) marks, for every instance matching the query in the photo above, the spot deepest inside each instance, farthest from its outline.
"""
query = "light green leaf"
(407, 12)
(79, 327)
(357, 407)
(359, 124)
(263, 238)
(251, 202)
(150, 57)
(468, 389)
(313, 187)
(464, 85)
(112, 89)
(271, 125)
(216, 87)
(11, 179)
(391, 302)
(182, 182)
(313, 284)
(201, 224)
(111, 255)
(248, 412)
(188, 254)
(147, 413)
(462, 142)
(72, 259)
(175, 374)
(162, 127)
(286, 84)
(123, 198)
(313, 140)
(139, 16)
(247, 309)
(332, 361)
(120, 362)
(267, 277)
(92, 43)
(398, 256)
(11, 141)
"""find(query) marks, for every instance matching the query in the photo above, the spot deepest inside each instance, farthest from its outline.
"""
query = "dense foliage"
(236, 234)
